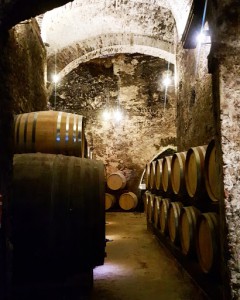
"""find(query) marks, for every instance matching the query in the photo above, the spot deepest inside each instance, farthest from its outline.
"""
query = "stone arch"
(112, 50)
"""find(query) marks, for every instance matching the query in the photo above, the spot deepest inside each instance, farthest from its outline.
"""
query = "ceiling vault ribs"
(112, 50)
(65, 26)
(83, 30)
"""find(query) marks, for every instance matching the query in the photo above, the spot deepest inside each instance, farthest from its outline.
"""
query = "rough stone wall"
(27, 64)
(148, 123)
(230, 128)
(195, 108)
(22, 89)
(225, 66)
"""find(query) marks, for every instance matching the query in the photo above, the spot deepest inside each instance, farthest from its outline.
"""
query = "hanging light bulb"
(167, 81)
(200, 37)
(117, 115)
(106, 115)
(55, 78)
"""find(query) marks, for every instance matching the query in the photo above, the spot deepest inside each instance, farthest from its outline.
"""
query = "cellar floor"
(137, 267)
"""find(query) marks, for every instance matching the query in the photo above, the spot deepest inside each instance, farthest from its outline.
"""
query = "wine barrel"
(110, 201)
(128, 201)
(116, 181)
(178, 173)
(173, 220)
(50, 132)
(211, 171)
(147, 175)
(158, 174)
(156, 211)
(208, 241)
(146, 198)
(187, 228)
(164, 206)
(150, 207)
(166, 173)
(194, 171)
(152, 175)
(58, 216)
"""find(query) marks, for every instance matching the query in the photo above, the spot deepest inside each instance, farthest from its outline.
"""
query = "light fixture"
(167, 81)
(55, 78)
(106, 115)
(203, 37)
(117, 115)
(113, 115)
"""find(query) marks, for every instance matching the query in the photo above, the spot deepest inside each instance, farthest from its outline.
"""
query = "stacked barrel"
(117, 196)
(182, 203)
(57, 201)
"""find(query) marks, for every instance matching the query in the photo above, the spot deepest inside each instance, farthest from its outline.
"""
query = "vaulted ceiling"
(84, 19)
(85, 29)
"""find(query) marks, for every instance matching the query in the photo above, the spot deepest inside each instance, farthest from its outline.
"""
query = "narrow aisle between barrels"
(137, 267)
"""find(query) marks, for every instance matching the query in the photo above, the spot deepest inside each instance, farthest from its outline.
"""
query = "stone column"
(224, 63)
(6, 154)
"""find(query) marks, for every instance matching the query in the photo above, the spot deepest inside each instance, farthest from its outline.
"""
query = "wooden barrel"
(50, 132)
(116, 181)
(194, 171)
(150, 207)
(178, 173)
(152, 175)
(58, 216)
(187, 228)
(128, 201)
(110, 201)
(158, 174)
(166, 173)
(147, 175)
(146, 198)
(173, 220)
(208, 241)
(156, 211)
(163, 216)
(211, 171)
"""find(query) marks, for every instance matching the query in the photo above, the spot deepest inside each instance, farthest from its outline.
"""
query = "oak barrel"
(194, 170)
(208, 241)
(158, 174)
(152, 175)
(116, 181)
(163, 216)
(156, 211)
(58, 216)
(187, 228)
(128, 201)
(178, 173)
(173, 220)
(211, 171)
(146, 198)
(166, 173)
(147, 175)
(53, 132)
(150, 207)
(110, 201)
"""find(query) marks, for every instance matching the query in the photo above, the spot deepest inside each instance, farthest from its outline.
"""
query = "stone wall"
(27, 65)
(22, 89)
(225, 66)
(148, 124)
(195, 108)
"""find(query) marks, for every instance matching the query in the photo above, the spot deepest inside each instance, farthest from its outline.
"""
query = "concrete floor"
(137, 267)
